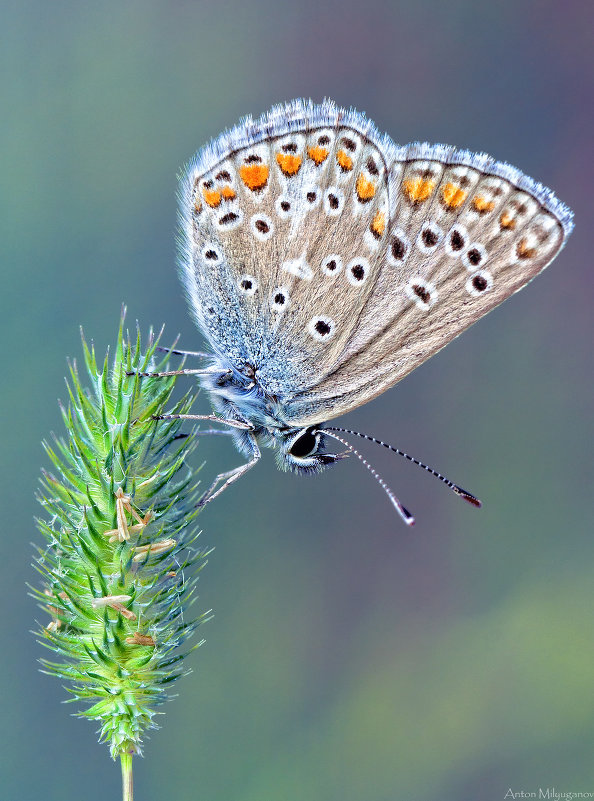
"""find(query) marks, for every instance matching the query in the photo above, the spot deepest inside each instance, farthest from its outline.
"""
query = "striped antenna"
(462, 493)
(402, 511)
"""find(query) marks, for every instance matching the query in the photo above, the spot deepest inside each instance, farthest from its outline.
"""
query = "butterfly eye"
(304, 445)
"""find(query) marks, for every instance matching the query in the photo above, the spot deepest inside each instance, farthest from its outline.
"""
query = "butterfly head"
(303, 450)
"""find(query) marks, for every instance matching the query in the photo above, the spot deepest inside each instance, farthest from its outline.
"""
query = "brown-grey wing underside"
(334, 262)
(281, 246)
(465, 233)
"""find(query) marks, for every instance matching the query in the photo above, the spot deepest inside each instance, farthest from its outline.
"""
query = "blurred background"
(349, 658)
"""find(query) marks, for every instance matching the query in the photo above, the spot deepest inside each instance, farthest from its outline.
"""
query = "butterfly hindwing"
(462, 238)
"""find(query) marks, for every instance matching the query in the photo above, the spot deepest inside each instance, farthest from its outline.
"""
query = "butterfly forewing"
(287, 227)
(335, 262)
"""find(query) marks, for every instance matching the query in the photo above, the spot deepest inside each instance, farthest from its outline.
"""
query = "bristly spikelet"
(119, 566)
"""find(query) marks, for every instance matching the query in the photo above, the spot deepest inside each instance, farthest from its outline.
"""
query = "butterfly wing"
(335, 262)
(465, 233)
(281, 225)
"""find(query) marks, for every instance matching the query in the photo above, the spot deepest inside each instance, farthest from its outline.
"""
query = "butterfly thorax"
(237, 394)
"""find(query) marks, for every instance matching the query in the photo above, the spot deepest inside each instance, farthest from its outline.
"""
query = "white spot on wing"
(479, 283)
(400, 243)
(284, 200)
(298, 267)
(321, 328)
(262, 221)
(331, 265)
(279, 300)
(230, 219)
(357, 271)
(311, 196)
(429, 237)
(422, 292)
(474, 256)
(210, 254)
(333, 201)
(247, 285)
(456, 240)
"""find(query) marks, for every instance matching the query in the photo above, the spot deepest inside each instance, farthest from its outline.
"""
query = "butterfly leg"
(207, 371)
(198, 353)
(230, 476)
(212, 417)
(205, 431)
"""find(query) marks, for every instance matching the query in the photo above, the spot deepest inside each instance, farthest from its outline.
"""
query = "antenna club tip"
(468, 497)
(406, 516)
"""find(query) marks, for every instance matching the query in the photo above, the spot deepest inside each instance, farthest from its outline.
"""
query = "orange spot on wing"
(507, 220)
(254, 176)
(211, 197)
(453, 195)
(482, 205)
(227, 193)
(524, 251)
(318, 154)
(365, 188)
(289, 163)
(418, 190)
(378, 224)
(345, 162)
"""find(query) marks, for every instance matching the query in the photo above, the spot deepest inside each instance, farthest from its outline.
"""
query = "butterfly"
(323, 262)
